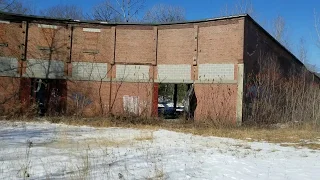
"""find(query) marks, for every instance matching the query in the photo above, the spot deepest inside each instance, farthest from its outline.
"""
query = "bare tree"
(15, 6)
(63, 11)
(240, 7)
(119, 11)
(316, 26)
(303, 56)
(279, 30)
(164, 13)
(302, 51)
(279, 27)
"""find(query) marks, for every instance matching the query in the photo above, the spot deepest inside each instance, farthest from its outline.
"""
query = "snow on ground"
(57, 151)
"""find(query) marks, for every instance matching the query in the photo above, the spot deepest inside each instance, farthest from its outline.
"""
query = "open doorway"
(176, 101)
(49, 95)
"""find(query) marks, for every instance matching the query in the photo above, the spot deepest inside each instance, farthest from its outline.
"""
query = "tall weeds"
(278, 95)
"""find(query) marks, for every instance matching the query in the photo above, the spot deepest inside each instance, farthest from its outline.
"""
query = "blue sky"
(298, 14)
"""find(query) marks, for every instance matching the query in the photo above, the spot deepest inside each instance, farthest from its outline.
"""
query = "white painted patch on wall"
(169, 73)
(131, 104)
(132, 72)
(8, 66)
(52, 69)
(91, 30)
(4, 22)
(47, 26)
(216, 72)
(89, 71)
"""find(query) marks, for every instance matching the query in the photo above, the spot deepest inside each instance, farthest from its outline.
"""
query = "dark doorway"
(49, 95)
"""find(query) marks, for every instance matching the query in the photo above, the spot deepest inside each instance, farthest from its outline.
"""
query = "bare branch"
(63, 11)
(280, 31)
(316, 26)
(240, 7)
(303, 51)
(164, 13)
(121, 11)
(15, 6)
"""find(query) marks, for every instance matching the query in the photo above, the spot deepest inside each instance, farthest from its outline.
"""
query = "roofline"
(21, 17)
(273, 39)
(281, 45)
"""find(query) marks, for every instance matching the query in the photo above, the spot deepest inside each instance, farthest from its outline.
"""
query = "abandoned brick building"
(97, 68)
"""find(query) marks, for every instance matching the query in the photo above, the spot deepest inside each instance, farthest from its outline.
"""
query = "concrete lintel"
(132, 80)
(47, 26)
(93, 30)
(216, 82)
(4, 22)
(25, 75)
(174, 81)
(88, 79)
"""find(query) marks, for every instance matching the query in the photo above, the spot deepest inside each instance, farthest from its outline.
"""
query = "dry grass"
(94, 142)
(298, 135)
(144, 136)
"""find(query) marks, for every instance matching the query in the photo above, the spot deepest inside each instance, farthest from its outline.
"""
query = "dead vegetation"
(287, 134)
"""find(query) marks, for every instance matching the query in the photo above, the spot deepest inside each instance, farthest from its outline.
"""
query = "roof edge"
(281, 45)
(21, 17)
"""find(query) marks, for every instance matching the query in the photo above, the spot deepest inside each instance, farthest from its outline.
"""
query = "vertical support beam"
(240, 94)
(70, 36)
(67, 64)
(175, 96)
(155, 91)
(155, 39)
(24, 93)
(195, 56)
(114, 37)
(23, 48)
(155, 100)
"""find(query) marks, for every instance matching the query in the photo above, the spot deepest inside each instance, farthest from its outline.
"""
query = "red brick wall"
(57, 39)
(84, 97)
(216, 102)
(141, 90)
(221, 41)
(101, 42)
(212, 42)
(9, 95)
(135, 44)
(176, 44)
(12, 34)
